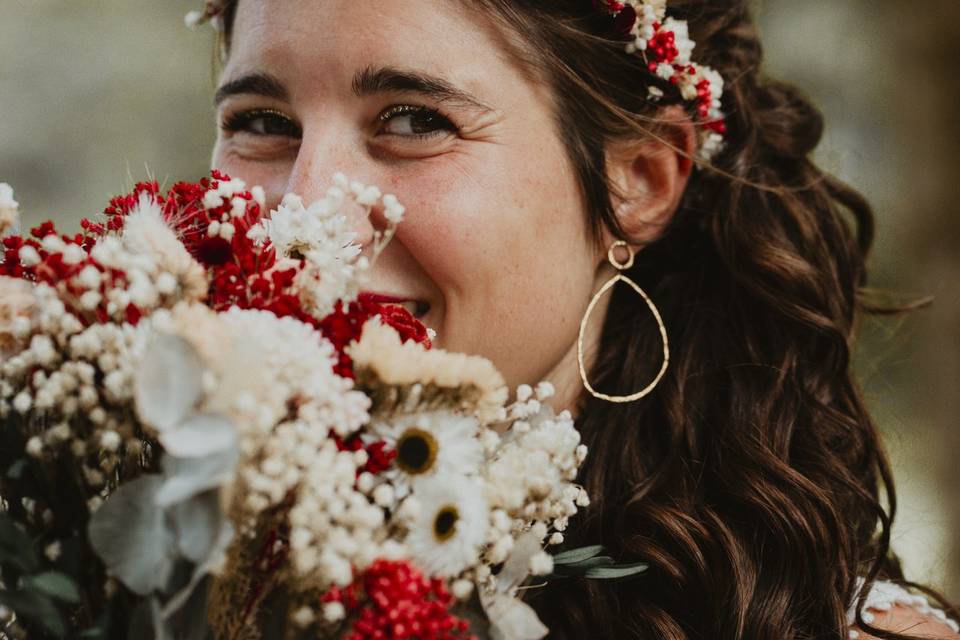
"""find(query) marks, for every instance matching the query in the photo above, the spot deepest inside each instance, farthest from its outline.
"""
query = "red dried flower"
(392, 600)
(342, 327)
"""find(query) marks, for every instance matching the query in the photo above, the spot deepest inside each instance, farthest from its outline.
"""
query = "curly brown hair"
(750, 480)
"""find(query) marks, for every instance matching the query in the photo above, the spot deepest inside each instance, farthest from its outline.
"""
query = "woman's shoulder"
(891, 607)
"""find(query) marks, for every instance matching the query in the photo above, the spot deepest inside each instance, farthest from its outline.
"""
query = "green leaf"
(16, 547)
(577, 555)
(130, 533)
(616, 571)
(93, 633)
(99, 630)
(35, 607)
(16, 469)
(590, 563)
(56, 585)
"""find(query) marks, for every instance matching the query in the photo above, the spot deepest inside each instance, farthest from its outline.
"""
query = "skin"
(905, 620)
(495, 239)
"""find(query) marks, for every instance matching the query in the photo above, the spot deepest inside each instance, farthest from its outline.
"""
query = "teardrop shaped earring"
(621, 267)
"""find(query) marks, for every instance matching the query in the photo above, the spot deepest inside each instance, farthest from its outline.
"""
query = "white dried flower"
(17, 308)
(53, 550)
(29, 256)
(334, 612)
(22, 402)
(393, 362)
(110, 440)
(461, 589)
(445, 538)
(304, 617)
(34, 447)
(541, 564)
(430, 443)
(9, 209)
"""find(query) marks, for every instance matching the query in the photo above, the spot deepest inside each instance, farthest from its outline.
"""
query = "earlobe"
(649, 176)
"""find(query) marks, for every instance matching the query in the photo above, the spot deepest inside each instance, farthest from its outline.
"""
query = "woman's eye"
(262, 122)
(414, 121)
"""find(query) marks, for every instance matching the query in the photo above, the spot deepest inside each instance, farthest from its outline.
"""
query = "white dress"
(884, 596)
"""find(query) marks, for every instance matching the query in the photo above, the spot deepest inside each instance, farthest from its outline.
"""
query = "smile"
(416, 308)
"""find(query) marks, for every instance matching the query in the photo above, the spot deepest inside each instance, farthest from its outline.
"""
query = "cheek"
(505, 240)
(501, 224)
(272, 176)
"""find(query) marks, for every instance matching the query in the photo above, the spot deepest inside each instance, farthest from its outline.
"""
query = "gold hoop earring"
(621, 267)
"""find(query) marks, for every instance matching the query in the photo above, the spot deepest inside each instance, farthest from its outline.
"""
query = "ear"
(648, 176)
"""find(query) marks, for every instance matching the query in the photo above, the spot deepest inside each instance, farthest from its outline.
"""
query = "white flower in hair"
(659, 7)
(667, 51)
(447, 533)
(681, 34)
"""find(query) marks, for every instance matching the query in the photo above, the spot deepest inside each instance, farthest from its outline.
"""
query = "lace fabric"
(883, 596)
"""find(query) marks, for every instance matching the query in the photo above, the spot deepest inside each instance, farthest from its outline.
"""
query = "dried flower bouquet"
(209, 432)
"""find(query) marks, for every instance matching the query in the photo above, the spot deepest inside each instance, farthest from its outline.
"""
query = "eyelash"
(241, 121)
(444, 124)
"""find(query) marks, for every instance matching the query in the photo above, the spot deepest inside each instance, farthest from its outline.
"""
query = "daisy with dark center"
(428, 444)
(446, 536)
(416, 451)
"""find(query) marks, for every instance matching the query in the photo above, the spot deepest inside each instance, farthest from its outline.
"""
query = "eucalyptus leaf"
(200, 435)
(16, 547)
(54, 584)
(36, 607)
(145, 622)
(130, 535)
(15, 471)
(100, 630)
(197, 524)
(578, 568)
(577, 555)
(187, 477)
(190, 622)
(616, 571)
(212, 562)
(168, 384)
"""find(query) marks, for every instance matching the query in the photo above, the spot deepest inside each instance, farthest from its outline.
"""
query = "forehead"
(317, 41)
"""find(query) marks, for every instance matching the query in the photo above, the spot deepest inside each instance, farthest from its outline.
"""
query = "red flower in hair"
(624, 20)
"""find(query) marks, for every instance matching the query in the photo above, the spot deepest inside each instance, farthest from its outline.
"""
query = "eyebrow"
(370, 81)
(261, 84)
(391, 79)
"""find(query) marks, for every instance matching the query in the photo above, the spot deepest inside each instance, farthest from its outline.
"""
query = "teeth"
(416, 308)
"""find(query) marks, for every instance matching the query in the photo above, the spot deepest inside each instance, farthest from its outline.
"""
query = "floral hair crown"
(666, 47)
(663, 42)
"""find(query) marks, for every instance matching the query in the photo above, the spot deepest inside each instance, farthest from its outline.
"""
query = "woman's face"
(418, 97)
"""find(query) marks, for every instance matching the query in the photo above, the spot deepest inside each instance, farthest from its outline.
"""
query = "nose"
(318, 159)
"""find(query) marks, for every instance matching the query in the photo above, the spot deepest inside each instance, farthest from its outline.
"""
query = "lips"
(417, 308)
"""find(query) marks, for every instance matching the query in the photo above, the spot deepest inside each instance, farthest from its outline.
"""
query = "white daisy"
(446, 535)
(428, 444)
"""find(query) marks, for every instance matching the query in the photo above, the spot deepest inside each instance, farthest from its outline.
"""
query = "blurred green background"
(97, 94)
